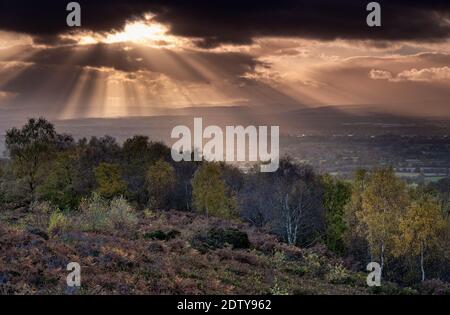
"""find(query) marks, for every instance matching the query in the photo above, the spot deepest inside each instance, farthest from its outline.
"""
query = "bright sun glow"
(139, 32)
(144, 32)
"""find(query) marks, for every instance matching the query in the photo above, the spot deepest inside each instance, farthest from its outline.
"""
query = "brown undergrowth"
(161, 254)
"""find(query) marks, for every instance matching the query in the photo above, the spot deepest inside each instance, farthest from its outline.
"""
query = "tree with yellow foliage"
(420, 228)
(210, 192)
(384, 200)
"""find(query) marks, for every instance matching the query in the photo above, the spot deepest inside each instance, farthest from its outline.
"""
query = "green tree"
(161, 181)
(30, 149)
(420, 228)
(384, 201)
(138, 154)
(210, 193)
(60, 185)
(136, 160)
(336, 195)
(109, 180)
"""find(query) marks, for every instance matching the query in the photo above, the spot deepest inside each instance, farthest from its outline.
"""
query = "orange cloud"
(434, 74)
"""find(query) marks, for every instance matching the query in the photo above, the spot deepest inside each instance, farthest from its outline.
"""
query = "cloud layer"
(239, 22)
(433, 74)
(278, 55)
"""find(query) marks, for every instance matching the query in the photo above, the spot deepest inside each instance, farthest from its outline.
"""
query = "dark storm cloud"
(231, 21)
(236, 22)
(47, 18)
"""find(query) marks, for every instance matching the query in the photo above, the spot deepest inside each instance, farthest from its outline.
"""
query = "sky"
(138, 58)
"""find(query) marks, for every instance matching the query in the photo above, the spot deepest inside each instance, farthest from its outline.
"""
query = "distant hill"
(325, 120)
(318, 120)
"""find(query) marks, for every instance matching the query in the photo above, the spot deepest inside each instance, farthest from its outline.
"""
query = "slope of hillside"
(168, 253)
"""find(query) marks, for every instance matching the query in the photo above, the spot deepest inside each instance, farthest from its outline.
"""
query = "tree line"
(374, 217)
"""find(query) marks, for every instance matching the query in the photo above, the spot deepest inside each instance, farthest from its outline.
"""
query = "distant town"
(416, 159)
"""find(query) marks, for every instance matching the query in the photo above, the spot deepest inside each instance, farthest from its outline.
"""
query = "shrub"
(99, 214)
(94, 214)
(357, 279)
(58, 223)
(338, 274)
(13, 191)
(121, 214)
(39, 215)
(434, 287)
(390, 288)
(149, 214)
(409, 291)
(279, 258)
(305, 291)
(314, 264)
(161, 235)
(277, 289)
(218, 238)
(386, 288)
